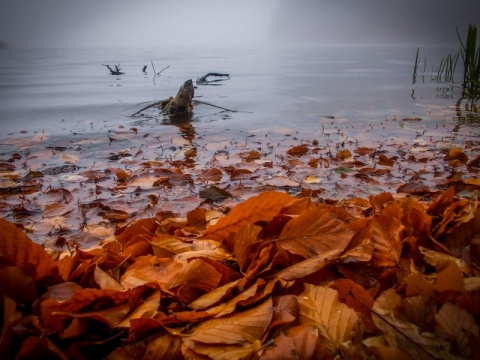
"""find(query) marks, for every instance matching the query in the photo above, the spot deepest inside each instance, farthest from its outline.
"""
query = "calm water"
(66, 91)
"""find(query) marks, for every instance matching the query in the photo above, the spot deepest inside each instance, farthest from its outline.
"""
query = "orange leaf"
(197, 274)
(21, 251)
(246, 326)
(299, 150)
(244, 238)
(343, 154)
(319, 306)
(259, 208)
(387, 246)
(356, 297)
(315, 232)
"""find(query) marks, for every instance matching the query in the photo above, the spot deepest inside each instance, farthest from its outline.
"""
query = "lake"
(325, 122)
(68, 90)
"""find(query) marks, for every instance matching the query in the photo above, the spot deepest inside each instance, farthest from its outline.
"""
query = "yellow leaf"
(320, 306)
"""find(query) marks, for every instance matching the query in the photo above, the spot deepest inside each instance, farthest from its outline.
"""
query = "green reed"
(470, 52)
(446, 70)
(415, 67)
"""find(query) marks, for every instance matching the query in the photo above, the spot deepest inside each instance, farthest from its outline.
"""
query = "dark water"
(66, 91)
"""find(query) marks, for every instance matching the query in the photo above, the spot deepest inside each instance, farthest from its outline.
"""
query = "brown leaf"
(343, 154)
(240, 174)
(197, 275)
(385, 236)
(356, 297)
(150, 269)
(164, 347)
(244, 238)
(403, 334)
(456, 156)
(259, 208)
(210, 174)
(319, 306)
(19, 250)
(384, 160)
(315, 232)
(299, 150)
(241, 327)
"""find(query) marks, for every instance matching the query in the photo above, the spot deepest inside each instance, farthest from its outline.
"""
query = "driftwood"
(204, 79)
(116, 71)
(182, 103)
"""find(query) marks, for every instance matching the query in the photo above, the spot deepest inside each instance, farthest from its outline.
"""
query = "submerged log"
(182, 103)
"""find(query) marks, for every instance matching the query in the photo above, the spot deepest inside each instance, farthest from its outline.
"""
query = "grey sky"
(156, 23)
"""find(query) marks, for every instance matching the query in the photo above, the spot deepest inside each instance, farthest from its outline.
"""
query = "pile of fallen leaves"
(278, 277)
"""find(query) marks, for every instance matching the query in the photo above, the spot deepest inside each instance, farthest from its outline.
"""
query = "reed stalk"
(470, 52)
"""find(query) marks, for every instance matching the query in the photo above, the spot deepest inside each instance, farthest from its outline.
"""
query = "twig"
(153, 67)
(163, 69)
(148, 107)
(206, 103)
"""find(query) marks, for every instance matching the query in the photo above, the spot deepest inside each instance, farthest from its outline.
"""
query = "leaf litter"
(158, 248)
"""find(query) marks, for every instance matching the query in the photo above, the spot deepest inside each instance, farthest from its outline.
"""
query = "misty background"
(220, 23)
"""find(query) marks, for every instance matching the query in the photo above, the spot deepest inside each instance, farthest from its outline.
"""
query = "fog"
(233, 23)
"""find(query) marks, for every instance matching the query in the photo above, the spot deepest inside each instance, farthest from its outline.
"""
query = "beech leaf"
(259, 208)
(238, 328)
(320, 306)
(21, 251)
(315, 232)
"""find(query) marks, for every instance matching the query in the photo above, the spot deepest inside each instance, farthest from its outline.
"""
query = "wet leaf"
(214, 193)
(298, 151)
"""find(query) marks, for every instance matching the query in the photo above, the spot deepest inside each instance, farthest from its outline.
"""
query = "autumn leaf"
(259, 208)
(315, 232)
(403, 334)
(320, 307)
(299, 150)
(164, 347)
(387, 245)
(211, 174)
(244, 238)
(343, 154)
(241, 327)
(455, 323)
(456, 156)
(19, 250)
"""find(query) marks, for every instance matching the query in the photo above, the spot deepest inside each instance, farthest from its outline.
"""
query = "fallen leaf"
(18, 249)
(241, 327)
(320, 307)
(315, 232)
(259, 208)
